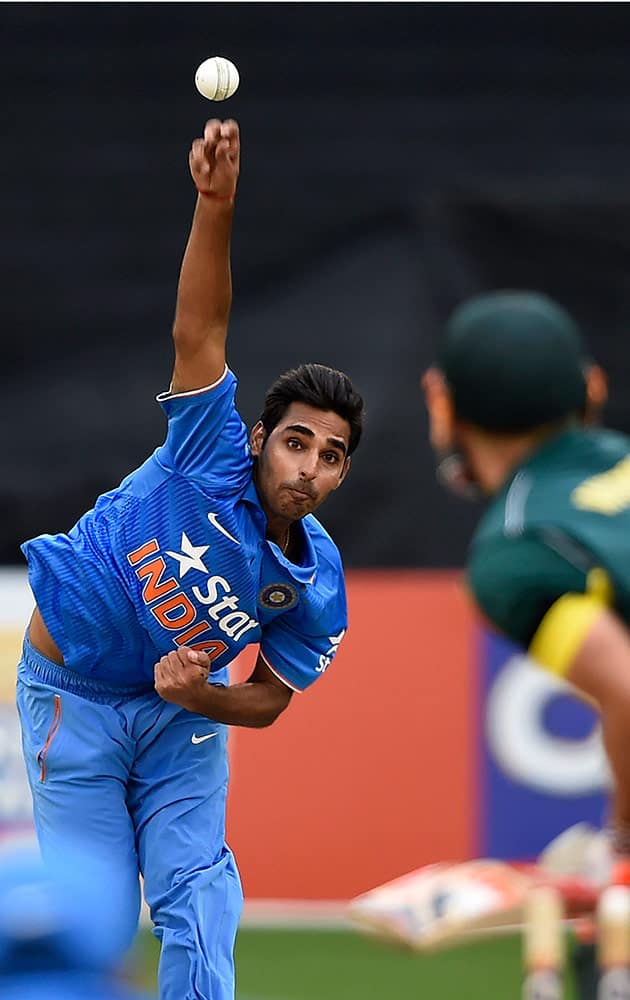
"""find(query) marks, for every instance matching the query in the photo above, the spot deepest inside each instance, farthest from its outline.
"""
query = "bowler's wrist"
(204, 700)
(213, 196)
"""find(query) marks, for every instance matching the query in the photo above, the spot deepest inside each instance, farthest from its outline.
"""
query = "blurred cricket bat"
(440, 905)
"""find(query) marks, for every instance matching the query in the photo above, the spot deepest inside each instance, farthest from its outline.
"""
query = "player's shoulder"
(502, 559)
(324, 596)
(609, 439)
(514, 579)
(541, 490)
(575, 453)
(591, 447)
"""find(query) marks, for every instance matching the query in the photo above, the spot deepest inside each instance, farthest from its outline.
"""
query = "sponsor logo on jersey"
(184, 614)
(278, 596)
(326, 658)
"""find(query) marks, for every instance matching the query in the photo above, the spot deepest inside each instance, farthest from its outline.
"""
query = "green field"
(340, 965)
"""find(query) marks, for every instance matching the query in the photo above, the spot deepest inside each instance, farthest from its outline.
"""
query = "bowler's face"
(303, 460)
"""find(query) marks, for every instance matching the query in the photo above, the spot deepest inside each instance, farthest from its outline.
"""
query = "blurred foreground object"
(443, 904)
(64, 927)
(543, 945)
(613, 945)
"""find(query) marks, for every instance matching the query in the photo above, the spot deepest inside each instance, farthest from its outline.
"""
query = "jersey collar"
(546, 448)
(304, 573)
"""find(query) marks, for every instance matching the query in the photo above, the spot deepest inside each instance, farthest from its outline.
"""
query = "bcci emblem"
(278, 597)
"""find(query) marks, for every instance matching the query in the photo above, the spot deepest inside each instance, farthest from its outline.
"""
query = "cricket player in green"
(509, 406)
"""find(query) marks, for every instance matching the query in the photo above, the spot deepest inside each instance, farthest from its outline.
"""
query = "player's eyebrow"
(333, 442)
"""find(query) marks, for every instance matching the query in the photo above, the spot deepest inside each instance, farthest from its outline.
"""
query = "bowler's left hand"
(181, 677)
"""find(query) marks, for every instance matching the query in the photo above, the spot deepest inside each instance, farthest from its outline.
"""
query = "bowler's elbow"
(276, 700)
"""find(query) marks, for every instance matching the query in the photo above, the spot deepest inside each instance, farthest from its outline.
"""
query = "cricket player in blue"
(209, 546)
(63, 926)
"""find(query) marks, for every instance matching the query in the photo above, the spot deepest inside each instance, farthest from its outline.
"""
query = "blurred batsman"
(211, 545)
(64, 927)
(510, 404)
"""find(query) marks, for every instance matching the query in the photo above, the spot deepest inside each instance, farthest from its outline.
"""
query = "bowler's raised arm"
(204, 293)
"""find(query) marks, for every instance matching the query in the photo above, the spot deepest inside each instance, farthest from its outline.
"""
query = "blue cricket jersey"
(177, 555)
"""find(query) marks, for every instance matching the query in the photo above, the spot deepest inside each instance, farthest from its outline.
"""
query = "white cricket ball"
(217, 78)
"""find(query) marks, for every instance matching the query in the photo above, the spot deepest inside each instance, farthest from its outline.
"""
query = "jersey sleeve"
(206, 438)
(516, 580)
(299, 647)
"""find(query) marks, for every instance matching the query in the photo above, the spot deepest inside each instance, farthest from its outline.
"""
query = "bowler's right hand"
(215, 159)
(181, 677)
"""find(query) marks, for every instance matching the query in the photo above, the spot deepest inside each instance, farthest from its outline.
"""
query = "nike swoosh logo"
(214, 521)
(201, 739)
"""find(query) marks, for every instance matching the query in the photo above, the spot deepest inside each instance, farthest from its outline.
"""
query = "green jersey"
(564, 513)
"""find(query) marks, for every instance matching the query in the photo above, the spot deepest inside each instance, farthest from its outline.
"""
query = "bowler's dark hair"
(318, 386)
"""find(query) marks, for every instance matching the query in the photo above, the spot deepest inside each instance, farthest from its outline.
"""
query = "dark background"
(397, 158)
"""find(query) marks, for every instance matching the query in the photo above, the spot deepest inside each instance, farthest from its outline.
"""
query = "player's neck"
(494, 458)
(280, 533)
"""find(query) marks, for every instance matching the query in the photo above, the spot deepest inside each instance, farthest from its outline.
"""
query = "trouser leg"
(77, 758)
(177, 797)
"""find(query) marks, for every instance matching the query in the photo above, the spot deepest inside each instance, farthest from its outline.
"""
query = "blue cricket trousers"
(145, 782)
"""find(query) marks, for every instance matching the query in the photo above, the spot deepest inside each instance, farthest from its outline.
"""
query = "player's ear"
(440, 409)
(596, 394)
(344, 472)
(257, 439)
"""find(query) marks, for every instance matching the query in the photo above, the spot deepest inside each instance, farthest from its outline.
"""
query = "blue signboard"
(543, 767)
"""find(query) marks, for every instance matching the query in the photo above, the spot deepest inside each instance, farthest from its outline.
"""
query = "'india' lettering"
(178, 613)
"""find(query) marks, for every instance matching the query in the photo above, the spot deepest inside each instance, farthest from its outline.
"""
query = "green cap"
(513, 361)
